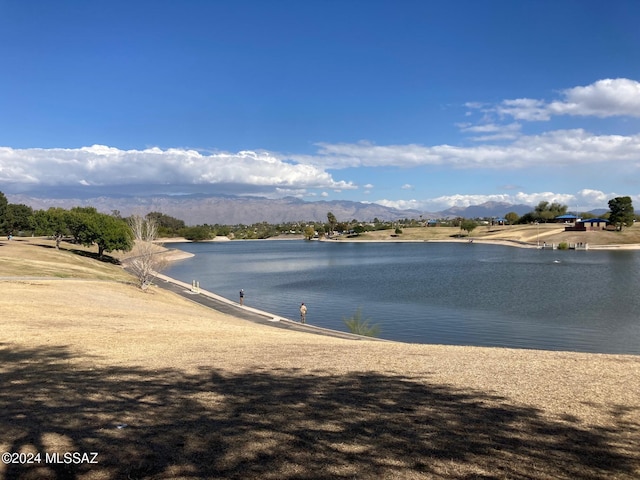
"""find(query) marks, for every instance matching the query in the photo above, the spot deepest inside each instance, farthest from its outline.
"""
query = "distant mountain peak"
(197, 209)
(226, 209)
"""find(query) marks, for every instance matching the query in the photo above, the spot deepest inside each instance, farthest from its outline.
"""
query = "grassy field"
(162, 388)
(38, 257)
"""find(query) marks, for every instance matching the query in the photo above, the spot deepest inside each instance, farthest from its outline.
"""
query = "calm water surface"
(444, 293)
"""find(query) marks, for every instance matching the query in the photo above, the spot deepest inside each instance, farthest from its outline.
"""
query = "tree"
(223, 230)
(89, 227)
(331, 219)
(468, 225)
(309, 232)
(167, 226)
(78, 221)
(111, 234)
(543, 212)
(359, 229)
(145, 260)
(50, 222)
(511, 217)
(197, 234)
(18, 217)
(546, 211)
(143, 229)
(3, 210)
(622, 213)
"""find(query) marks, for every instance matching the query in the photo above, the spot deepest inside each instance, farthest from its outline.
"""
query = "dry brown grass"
(550, 233)
(199, 394)
(38, 257)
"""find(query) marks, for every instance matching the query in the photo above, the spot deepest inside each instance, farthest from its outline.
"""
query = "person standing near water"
(303, 313)
(241, 297)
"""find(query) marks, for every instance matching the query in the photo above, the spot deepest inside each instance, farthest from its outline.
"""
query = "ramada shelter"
(585, 225)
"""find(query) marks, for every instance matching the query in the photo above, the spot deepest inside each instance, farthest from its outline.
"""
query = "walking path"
(224, 305)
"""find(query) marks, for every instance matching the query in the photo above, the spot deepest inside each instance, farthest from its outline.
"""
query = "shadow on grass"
(104, 258)
(83, 253)
(282, 424)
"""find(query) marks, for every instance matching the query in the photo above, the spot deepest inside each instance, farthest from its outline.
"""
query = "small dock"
(579, 246)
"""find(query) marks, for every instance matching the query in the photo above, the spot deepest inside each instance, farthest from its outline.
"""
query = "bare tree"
(144, 229)
(146, 258)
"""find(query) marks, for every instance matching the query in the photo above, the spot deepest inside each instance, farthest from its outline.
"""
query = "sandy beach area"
(163, 388)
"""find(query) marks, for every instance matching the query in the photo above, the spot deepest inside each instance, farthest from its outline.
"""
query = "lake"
(439, 293)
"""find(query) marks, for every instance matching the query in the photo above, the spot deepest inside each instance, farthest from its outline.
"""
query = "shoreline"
(245, 312)
(500, 242)
(273, 318)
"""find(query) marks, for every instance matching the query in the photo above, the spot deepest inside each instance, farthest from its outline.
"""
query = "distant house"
(589, 224)
(596, 223)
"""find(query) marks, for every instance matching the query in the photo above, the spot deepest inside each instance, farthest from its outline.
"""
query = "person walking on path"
(303, 313)
(241, 297)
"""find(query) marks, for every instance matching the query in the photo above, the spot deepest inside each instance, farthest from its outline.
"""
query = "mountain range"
(232, 210)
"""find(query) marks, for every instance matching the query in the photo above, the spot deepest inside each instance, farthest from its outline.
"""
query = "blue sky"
(412, 104)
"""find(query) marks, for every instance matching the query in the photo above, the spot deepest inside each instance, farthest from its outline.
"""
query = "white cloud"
(100, 165)
(551, 149)
(475, 105)
(367, 154)
(407, 186)
(535, 198)
(492, 131)
(524, 109)
(489, 128)
(401, 204)
(593, 197)
(604, 98)
(582, 200)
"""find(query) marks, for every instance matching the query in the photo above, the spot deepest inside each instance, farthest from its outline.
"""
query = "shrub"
(197, 234)
(563, 246)
(356, 324)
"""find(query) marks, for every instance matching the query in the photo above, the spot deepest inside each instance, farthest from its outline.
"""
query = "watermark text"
(29, 458)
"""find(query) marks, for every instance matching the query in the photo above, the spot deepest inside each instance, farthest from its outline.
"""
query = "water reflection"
(437, 293)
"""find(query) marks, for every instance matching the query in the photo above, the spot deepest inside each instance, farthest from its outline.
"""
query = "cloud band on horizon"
(503, 147)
